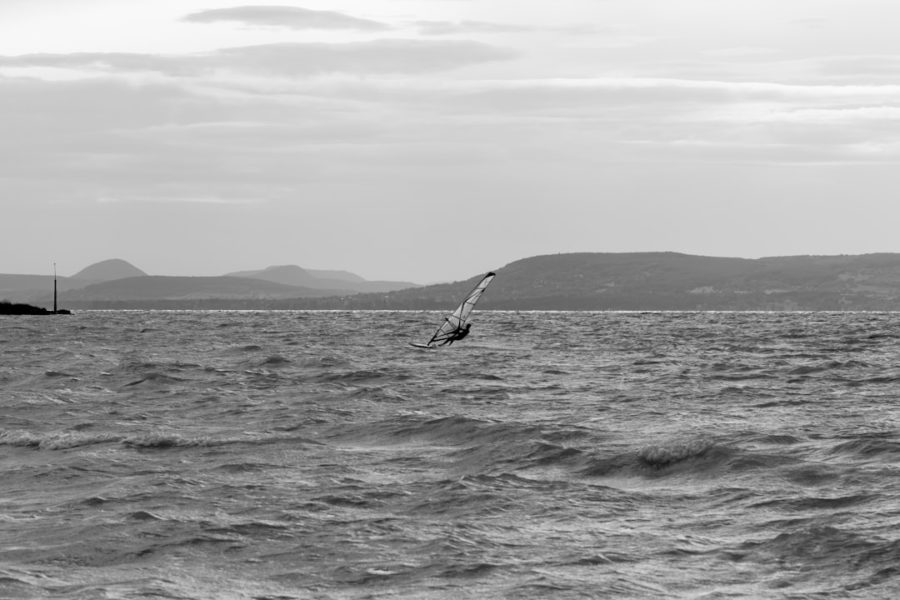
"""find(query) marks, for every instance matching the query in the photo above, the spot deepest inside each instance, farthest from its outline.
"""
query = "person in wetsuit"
(457, 334)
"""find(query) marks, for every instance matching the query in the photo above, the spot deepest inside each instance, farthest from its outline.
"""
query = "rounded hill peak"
(109, 270)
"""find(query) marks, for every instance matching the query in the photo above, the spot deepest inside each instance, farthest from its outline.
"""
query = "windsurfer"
(457, 334)
(452, 328)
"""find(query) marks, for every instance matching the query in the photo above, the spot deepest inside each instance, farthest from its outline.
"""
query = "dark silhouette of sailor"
(457, 334)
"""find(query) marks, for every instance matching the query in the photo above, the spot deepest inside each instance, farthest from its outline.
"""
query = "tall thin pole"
(54, 288)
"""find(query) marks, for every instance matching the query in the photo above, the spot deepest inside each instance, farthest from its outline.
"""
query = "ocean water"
(288, 455)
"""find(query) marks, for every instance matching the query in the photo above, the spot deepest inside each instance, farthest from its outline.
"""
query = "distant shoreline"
(586, 281)
(137, 309)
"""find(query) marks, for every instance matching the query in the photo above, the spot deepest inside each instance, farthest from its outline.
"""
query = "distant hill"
(108, 270)
(21, 288)
(152, 288)
(117, 283)
(666, 281)
(286, 274)
(28, 288)
(340, 276)
(324, 280)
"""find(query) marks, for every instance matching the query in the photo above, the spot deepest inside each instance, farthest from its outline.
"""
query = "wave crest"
(55, 440)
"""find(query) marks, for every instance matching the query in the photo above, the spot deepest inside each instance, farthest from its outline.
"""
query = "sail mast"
(54, 288)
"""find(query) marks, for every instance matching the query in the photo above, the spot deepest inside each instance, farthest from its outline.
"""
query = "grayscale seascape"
(276, 455)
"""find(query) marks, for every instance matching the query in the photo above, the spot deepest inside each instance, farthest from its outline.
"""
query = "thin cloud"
(383, 56)
(438, 28)
(811, 22)
(105, 62)
(864, 67)
(288, 59)
(290, 17)
(859, 115)
(108, 136)
(537, 93)
(136, 198)
(457, 27)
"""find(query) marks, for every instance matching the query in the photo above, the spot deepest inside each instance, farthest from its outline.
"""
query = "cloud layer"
(286, 59)
(551, 129)
(290, 17)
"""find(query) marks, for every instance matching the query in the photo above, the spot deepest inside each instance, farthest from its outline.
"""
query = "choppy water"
(276, 455)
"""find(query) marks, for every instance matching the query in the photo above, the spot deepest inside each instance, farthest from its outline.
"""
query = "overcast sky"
(433, 140)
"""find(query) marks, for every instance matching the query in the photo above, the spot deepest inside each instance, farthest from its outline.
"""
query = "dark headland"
(18, 308)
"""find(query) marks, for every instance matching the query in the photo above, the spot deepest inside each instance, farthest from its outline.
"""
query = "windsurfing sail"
(457, 319)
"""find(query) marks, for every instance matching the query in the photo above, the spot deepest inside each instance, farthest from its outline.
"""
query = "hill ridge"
(108, 270)
(671, 281)
(563, 281)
